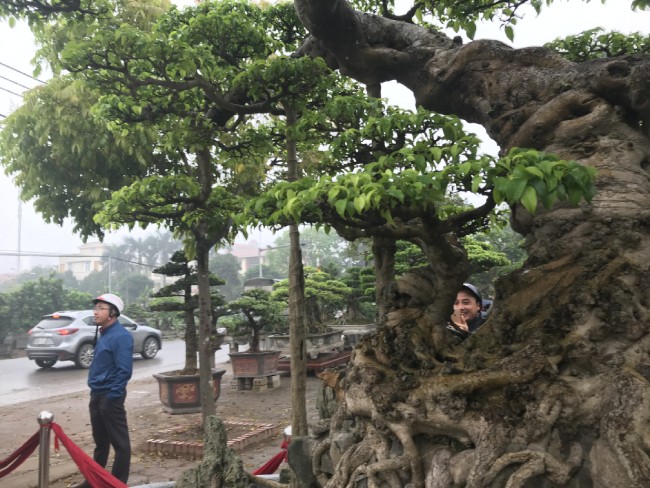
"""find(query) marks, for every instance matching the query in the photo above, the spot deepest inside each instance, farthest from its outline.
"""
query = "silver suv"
(69, 336)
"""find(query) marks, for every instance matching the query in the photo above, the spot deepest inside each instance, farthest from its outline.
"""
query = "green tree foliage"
(407, 257)
(185, 103)
(320, 249)
(152, 250)
(21, 309)
(198, 96)
(95, 283)
(324, 296)
(68, 279)
(5, 319)
(485, 260)
(134, 288)
(391, 174)
(483, 256)
(425, 157)
(360, 307)
(509, 244)
(259, 312)
(596, 43)
(464, 16)
(41, 11)
(459, 16)
(64, 159)
(227, 267)
(268, 271)
(179, 297)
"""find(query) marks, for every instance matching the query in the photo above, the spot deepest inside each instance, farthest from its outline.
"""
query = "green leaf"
(341, 206)
(534, 171)
(515, 189)
(418, 15)
(359, 203)
(436, 153)
(476, 182)
(529, 199)
(470, 29)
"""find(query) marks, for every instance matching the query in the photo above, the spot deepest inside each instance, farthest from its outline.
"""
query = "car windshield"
(54, 322)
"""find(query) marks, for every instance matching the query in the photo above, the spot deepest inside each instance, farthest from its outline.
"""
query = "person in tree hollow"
(109, 373)
(467, 317)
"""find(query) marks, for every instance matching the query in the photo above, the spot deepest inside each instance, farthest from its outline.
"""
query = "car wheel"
(84, 356)
(149, 348)
(45, 363)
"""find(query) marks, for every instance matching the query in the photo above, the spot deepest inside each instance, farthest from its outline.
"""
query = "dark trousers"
(108, 420)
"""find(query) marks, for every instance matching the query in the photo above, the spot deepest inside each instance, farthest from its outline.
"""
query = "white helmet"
(111, 299)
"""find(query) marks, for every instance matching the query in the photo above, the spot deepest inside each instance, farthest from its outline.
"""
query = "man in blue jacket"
(109, 373)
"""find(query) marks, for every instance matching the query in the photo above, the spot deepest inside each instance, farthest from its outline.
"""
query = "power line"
(16, 83)
(21, 72)
(13, 93)
(81, 256)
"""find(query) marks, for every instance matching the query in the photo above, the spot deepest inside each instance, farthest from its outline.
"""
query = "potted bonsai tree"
(325, 295)
(258, 311)
(180, 390)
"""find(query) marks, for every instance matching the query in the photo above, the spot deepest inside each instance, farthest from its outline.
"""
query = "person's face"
(101, 312)
(467, 305)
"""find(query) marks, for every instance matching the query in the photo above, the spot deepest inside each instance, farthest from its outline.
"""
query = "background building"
(91, 258)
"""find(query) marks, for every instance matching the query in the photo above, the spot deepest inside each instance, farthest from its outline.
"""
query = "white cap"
(111, 299)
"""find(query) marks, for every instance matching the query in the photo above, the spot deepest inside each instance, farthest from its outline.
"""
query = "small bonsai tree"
(178, 297)
(259, 312)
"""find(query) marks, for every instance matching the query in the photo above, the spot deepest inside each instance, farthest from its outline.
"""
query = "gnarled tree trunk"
(553, 391)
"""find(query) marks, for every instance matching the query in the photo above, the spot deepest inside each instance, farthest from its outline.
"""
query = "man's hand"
(459, 321)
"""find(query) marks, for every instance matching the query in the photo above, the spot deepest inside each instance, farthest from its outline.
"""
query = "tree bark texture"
(203, 243)
(554, 390)
(297, 305)
(208, 407)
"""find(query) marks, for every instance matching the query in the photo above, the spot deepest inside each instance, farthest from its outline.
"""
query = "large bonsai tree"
(187, 103)
(554, 390)
(179, 296)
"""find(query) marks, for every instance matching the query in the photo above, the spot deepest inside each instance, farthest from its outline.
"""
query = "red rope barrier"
(18, 457)
(274, 463)
(96, 476)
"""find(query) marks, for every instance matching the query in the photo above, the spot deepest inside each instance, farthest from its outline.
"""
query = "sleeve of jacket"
(123, 365)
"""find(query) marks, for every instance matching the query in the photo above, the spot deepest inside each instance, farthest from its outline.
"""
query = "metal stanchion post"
(45, 419)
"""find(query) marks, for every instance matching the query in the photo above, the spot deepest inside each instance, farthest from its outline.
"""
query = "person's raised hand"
(459, 321)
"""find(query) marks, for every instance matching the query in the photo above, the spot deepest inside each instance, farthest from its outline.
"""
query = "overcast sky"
(16, 51)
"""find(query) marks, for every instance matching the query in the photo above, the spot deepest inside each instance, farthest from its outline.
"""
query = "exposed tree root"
(535, 463)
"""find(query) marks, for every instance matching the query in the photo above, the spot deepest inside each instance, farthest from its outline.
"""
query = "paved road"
(21, 380)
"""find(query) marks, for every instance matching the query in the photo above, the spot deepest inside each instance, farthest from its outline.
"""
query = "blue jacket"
(112, 363)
